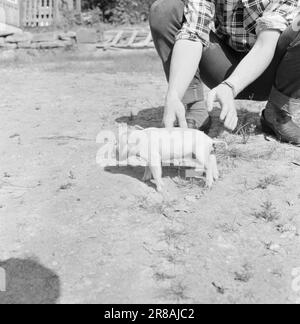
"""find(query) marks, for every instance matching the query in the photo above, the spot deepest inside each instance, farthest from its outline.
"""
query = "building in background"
(9, 15)
(44, 13)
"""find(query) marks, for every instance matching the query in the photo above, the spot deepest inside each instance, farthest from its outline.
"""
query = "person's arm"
(186, 56)
(185, 61)
(251, 67)
(256, 62)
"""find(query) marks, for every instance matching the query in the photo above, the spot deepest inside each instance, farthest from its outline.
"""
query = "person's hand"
(174, 110)
(224, 95)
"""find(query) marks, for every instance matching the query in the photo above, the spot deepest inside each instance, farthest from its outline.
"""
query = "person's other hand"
(224, 95)
(174, 110)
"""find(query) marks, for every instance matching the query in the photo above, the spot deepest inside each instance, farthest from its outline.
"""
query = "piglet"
(161, 145)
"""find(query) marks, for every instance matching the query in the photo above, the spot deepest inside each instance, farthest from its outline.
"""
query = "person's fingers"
(227, 123)
(183, 123)
(211, 98)
(224, 112)
(230, 124)
(181, 118)
(231, 120)
(169, 121)
(235, 124)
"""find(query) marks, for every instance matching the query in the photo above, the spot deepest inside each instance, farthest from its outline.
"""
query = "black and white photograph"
(149, 154)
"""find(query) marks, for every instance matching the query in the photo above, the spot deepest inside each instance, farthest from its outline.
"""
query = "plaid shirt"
(238, 22)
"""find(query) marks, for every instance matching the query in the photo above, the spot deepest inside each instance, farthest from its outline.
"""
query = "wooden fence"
(37, 13)
(43, 13)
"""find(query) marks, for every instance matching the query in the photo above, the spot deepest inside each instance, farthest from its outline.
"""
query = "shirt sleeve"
(278, 15)
(198, 18)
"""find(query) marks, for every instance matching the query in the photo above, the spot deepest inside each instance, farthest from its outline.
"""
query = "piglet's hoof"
(159, 187)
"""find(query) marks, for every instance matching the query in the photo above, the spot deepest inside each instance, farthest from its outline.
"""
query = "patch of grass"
(172, 235)
(245, 275)
(246, 131)
(161, 276)
(264, 183)
(173, 259)
(154, 208)
(177, 291)
(268, 212)
(227, 228)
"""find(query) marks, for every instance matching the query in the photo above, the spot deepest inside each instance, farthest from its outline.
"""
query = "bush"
(121, 11)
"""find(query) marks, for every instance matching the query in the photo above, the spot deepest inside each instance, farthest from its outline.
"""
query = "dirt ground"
(72, 232)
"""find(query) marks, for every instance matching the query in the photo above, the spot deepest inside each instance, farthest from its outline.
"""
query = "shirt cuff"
(271, 21)
(192, 36)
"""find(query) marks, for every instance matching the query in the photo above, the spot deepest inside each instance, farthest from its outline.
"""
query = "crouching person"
(241, 49)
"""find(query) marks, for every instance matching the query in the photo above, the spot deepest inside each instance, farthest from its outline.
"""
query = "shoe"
(280, 124)
(281, 117)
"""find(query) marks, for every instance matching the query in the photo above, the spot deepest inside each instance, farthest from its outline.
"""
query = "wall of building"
(10, 12)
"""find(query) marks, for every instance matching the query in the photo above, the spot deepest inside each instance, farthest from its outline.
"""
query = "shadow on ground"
(28, 282)
(152, 117)
(171, 172)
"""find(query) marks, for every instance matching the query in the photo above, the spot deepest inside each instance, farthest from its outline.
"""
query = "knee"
(290, 38)
(164, 13)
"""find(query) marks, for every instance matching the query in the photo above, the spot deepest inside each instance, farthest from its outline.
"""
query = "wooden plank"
(117, 38)
(132, 38)
(144, 43)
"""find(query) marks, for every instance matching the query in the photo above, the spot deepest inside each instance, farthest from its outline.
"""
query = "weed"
(245, 275)
(268, 181)
(173, 235)
(246, 131)
(268, 212)
(161, 276)
(178, 292)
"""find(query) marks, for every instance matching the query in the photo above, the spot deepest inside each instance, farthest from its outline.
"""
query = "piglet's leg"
(147, 175)
(214, 164)
(212, 172)
(209, 173)
(157, 174)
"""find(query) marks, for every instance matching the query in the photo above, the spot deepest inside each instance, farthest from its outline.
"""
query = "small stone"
(44, 37)
(68, 43)
(35, 46)
(67, 36)
(275, 247)
(19, 38)
(51, 45)
(8, 46)
(289, 228)
(24, 45)
(7, 30)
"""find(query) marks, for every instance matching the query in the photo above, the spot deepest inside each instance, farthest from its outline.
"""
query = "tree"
(120, 11)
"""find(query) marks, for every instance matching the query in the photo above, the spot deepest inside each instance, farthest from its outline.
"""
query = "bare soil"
(72, 232)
